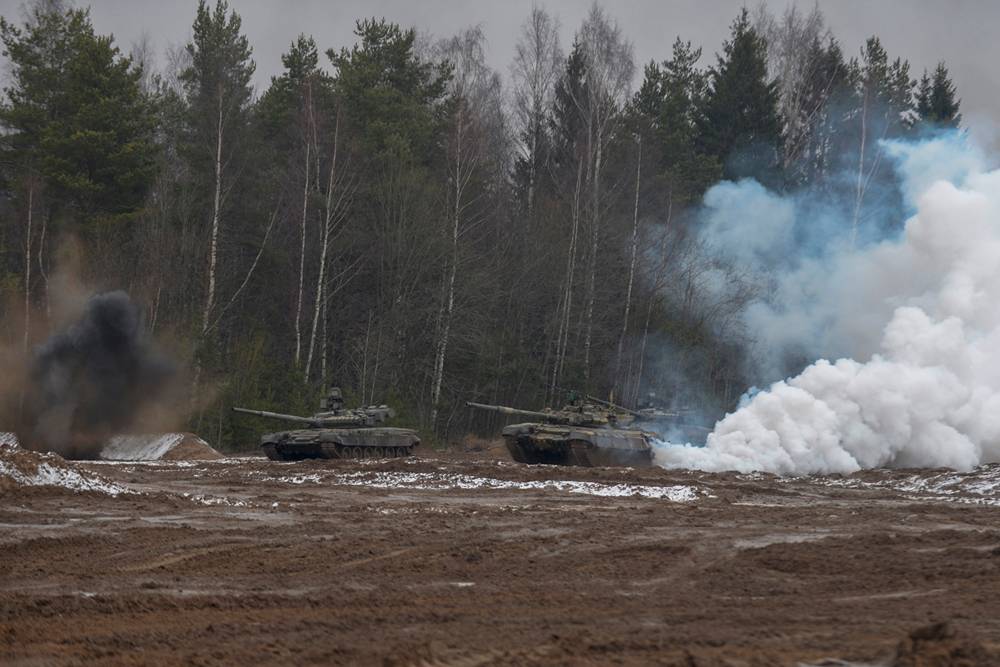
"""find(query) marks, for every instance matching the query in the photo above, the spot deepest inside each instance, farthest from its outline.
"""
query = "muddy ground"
(465, 560)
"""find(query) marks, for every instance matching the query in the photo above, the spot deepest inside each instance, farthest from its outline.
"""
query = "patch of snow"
(981, 486)
(140, 447)
(7, 438)
(216, 500)
(47, 474)
(299, 479)
(443, 481)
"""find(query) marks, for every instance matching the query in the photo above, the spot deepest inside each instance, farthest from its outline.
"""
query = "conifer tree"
(740, 126)
(936, 99)
(75, 114)
(688, 172)
(394, 96)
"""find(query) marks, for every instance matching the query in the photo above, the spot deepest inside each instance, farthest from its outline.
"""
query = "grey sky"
(961, 32)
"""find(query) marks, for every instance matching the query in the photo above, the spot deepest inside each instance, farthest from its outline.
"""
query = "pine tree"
(392, 95)
(688, 172)
(75, 113)
(740, 126)
(566, 123)
(937, 103)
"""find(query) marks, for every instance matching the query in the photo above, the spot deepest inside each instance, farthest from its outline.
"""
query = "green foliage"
(884, 89)
(568, 108)
(937, 102)
(670, 101)
(75, 114)
(826, 98)
(298, 91)
(740, 126)
(392, 95)
(217, 80)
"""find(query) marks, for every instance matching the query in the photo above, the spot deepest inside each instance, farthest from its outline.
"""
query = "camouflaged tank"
(580, 434)
(670, 425)
(337, 433)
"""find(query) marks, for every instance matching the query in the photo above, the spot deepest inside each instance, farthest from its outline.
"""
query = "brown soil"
(191, 448)
(255, 562)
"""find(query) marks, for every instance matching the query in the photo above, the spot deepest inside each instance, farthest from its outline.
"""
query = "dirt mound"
(20, 468)
(159, 447)
(940, 645)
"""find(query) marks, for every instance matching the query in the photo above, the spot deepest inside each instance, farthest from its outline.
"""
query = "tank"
(580, 434)
(667, 425)
(337, 433)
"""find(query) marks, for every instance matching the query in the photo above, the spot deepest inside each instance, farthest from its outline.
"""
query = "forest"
(398, 218)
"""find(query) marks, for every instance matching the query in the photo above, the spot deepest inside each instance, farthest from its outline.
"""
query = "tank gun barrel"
(504, 410)
(278, 415)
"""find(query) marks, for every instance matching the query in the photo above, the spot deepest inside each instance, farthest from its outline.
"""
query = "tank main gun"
(570, 415)
(366, 416)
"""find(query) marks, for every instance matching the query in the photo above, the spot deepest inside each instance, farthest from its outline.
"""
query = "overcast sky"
(961, 32)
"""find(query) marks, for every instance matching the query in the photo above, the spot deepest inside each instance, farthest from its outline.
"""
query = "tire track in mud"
(354, 575)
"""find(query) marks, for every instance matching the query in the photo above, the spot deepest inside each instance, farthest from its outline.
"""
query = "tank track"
(278, 452)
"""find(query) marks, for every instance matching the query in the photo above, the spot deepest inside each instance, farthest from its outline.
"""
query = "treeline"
(398, 218)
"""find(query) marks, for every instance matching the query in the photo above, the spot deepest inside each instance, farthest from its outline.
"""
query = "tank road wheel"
(357, 453)
(403, 452)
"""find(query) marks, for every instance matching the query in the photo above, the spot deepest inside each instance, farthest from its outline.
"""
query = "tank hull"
(577, 446)
(339, 443)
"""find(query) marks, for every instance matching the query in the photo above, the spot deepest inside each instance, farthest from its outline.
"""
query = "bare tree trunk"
(631, 267)
(567, 299)
(591, 278)
(531, 170)
(214, 244)
(328, 221)
(41, 266)
(302, 261)
(859, 196)
(642, 349)
(324, 342)
(206, 314)
(448, 303)
(27, 269)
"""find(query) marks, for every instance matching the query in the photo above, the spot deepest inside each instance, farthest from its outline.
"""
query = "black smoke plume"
(93, 379)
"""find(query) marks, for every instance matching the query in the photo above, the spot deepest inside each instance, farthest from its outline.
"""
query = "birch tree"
(337, 198)
(475, 106)
(217, 87)
(609, 69)
(884, 109)
(794, 65)
(534, 72)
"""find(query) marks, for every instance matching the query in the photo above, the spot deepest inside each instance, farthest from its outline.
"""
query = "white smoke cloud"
(913, 321)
